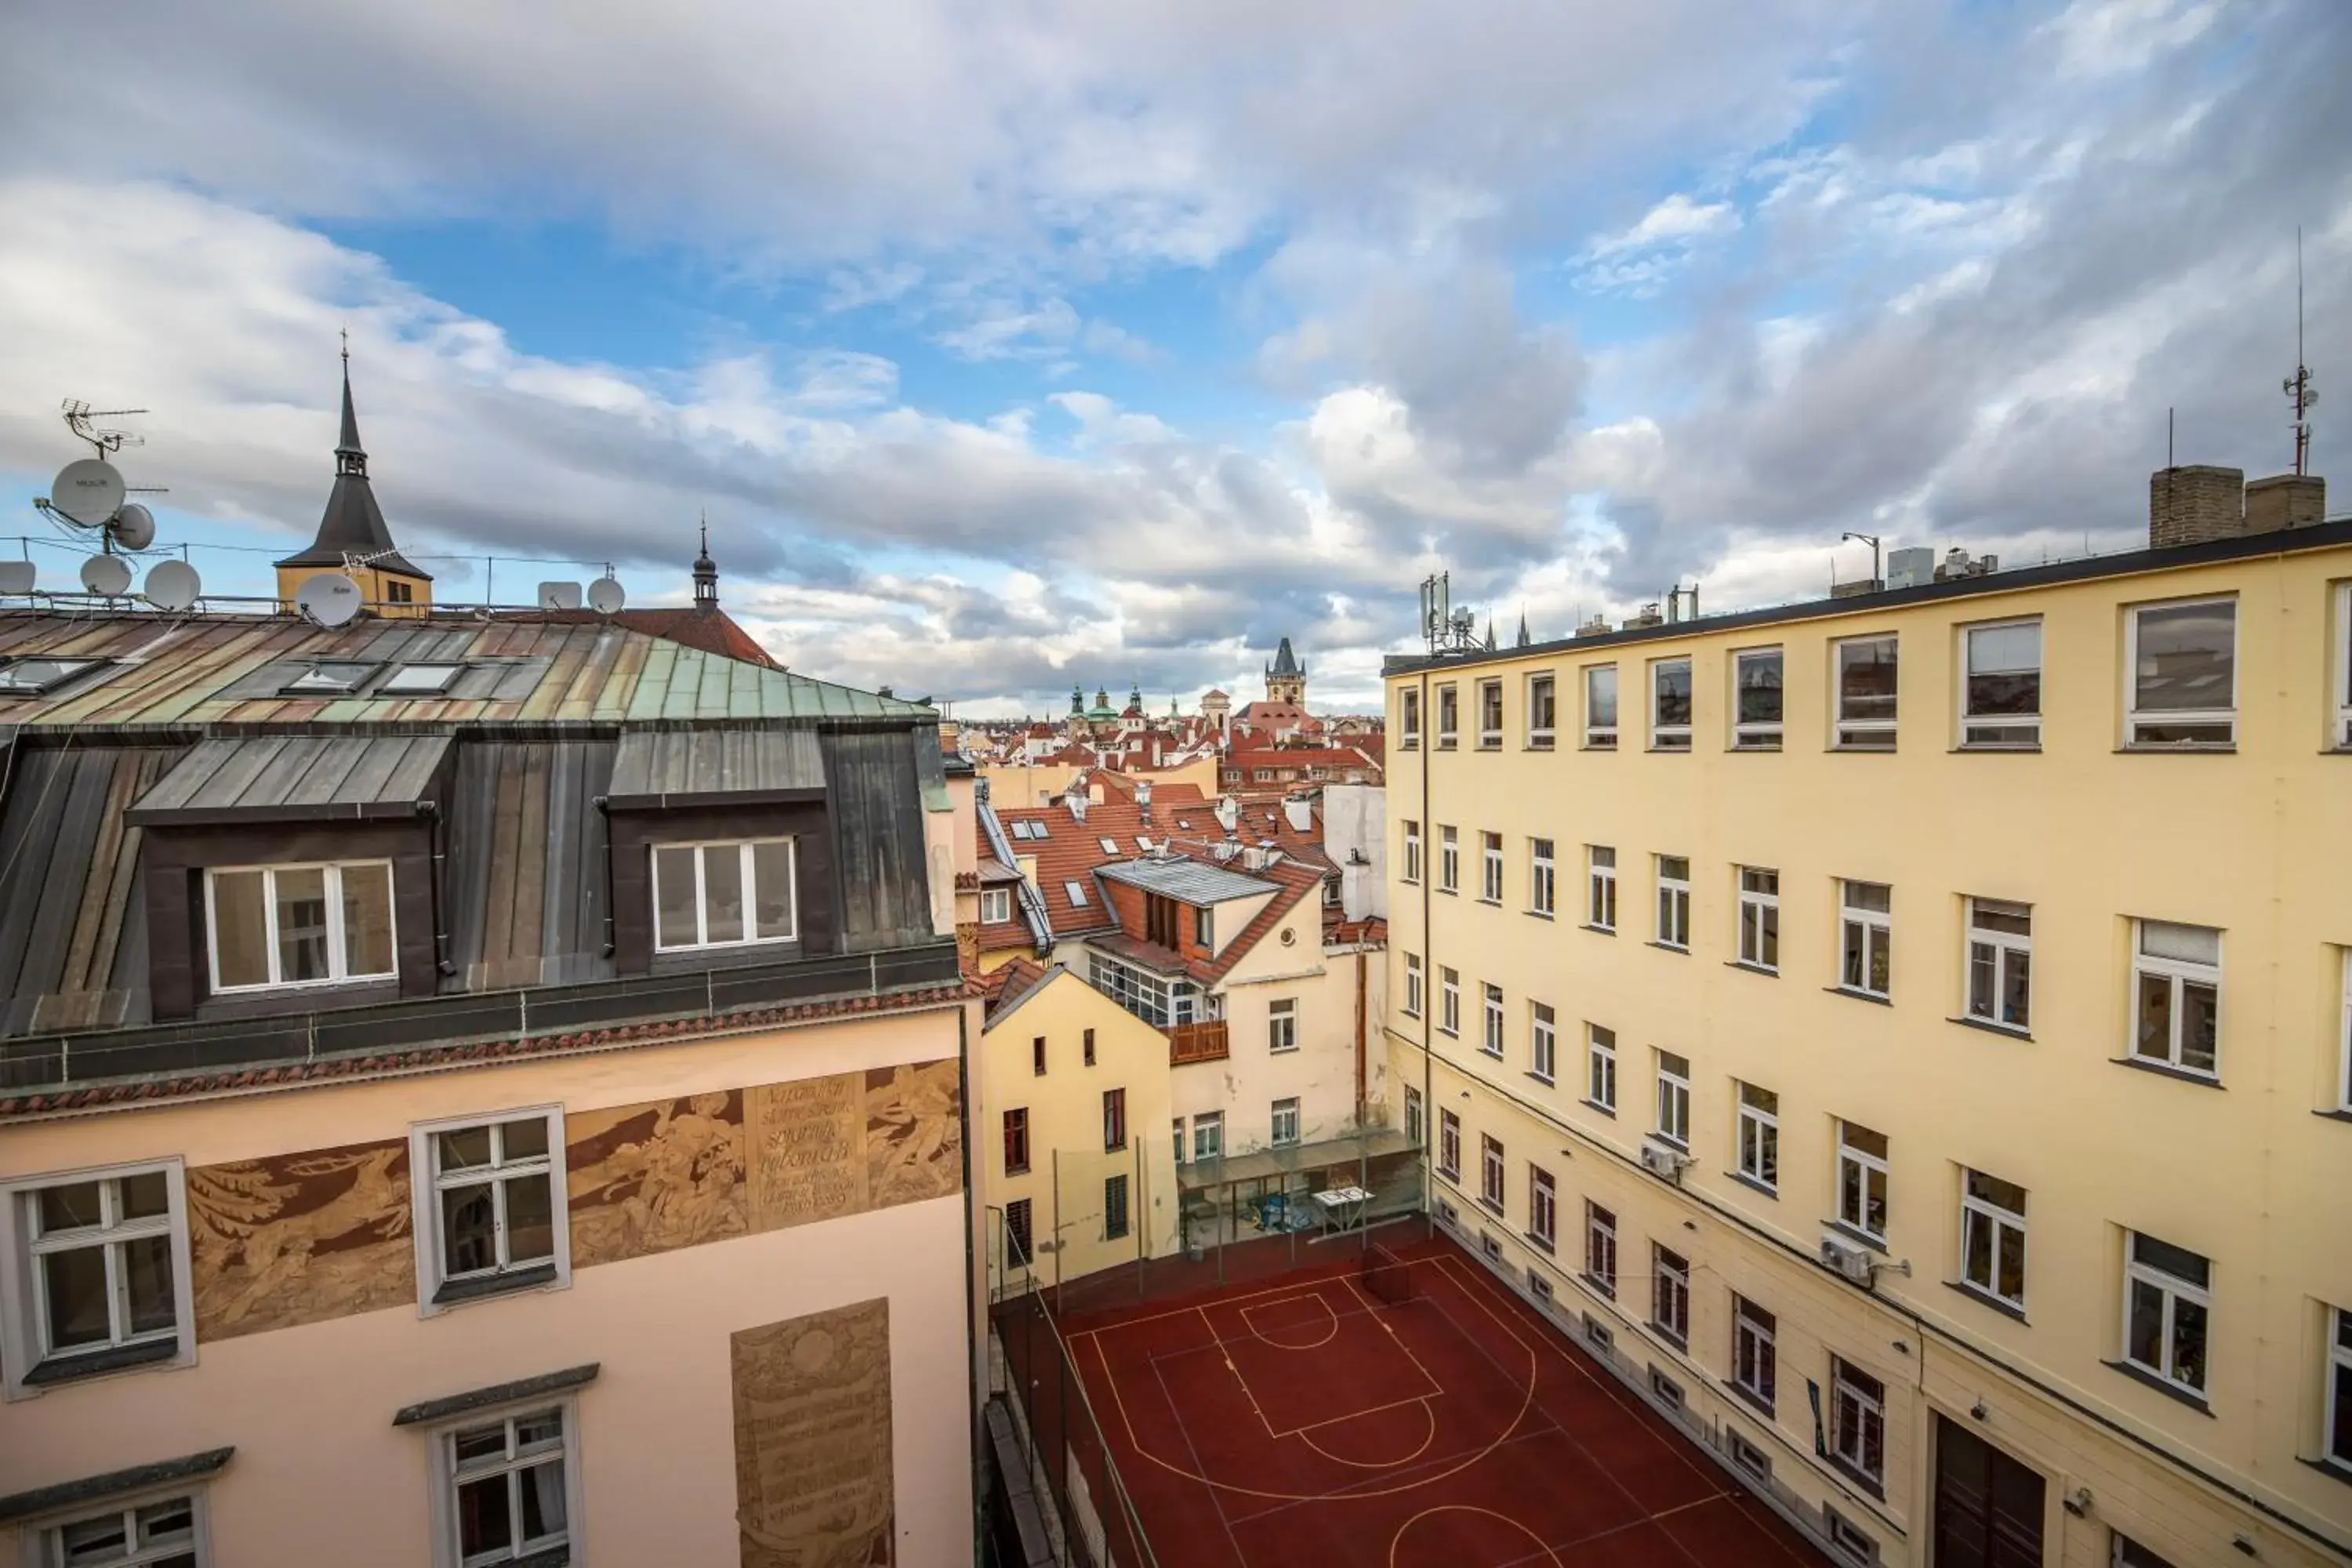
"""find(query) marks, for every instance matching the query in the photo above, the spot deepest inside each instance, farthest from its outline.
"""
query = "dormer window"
(273, 926)
(727, 894)
(328, 678)
(419, 679)
(39, 676)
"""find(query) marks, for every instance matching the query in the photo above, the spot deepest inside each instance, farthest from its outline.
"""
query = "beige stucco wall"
(321, 1474)
(2255, 843)
(1321, 1073)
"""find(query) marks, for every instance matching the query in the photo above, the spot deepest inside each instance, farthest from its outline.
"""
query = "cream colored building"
(1913, 1033)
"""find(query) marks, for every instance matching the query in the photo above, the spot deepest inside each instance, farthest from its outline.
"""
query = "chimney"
(2285, 501)
(2194, 504)
(1143, 801)
(1076, 799)
(1229, 813)
(1300, 813)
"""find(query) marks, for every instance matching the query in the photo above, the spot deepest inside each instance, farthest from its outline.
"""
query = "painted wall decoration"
(813, 1474)
(649, 1178)
(297, 1238)
(808, 1150)
(914, 1133)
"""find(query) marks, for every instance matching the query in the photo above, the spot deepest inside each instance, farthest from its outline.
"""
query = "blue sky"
(1007, 346)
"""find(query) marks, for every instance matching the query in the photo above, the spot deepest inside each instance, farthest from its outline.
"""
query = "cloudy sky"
(1014, 344)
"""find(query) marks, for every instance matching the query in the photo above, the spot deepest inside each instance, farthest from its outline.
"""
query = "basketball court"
(1411, 1415)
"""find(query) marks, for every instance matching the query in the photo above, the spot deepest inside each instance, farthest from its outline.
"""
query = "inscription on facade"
(813, 1472)
(808, 1150)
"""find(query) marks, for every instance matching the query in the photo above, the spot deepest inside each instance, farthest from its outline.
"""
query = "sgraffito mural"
(653, 1177)
(813, 1473)
(297, 1238)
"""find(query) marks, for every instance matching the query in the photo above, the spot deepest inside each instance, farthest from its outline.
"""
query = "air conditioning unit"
(1662, 1160)
(1848, 1259)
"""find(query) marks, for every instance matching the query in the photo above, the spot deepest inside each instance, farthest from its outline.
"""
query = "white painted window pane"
(367, 919)
(722, 892)
(2185, 944)
(301, 899)
(240, 928)
(1600, 698)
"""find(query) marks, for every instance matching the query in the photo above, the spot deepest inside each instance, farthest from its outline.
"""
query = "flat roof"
(1194, 881)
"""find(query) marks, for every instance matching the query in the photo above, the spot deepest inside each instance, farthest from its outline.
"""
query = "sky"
(1016, 345)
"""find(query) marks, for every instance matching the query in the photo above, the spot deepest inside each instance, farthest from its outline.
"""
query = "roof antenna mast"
(2298, 387)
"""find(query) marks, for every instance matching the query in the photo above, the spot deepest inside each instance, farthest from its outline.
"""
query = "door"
(1987, 1505)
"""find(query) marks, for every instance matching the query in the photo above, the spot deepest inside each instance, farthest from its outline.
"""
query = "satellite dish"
(133, 526)
(605, 597)
(105, 575)
(16, 577)
(558, 595)
(88, 491)
(330, 598)
(174, 585)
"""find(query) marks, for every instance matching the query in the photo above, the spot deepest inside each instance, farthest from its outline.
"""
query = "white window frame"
(1543, 879)
(1282, 1122)
(1409, 719)
(2337, 1392)
(1412, 850)
(1490, 868)
(1758, 734)
(1493, 1173)
(1994, 1221)
(1759, 918)
(1543, 1040)
(1542, 696)
(1415, 1119)
(2219, 718)
(443, 1437)
(23, 1330)
(1600, 887)
(1860, 928)
(1490, 737)
(1670, 737)
(1543, 1207)
(2344, 1041)
(1601, 737)
(2000, 952)
(1851, 734)
(2180, 974)
(338, 954)
(1600, 1249)
(1449, 1002)
(1490, 1038)
(1756, 1352)
(1872, 1172)
(1674, 901)
(1674, 1100)
(1601, 1067)
(2175, 1290)
(1282, 1026)
(1755, 1148)
(1449, 1144)
(1412, 984)
(1854, 1413)
(1999, 731)
(44, 1535)
(1449, 859)
(2341, 737)
(1670, 1274)
(1449, 716)
(1075, 891)
(425, 1182)
(747, 858)
(1209, 1136)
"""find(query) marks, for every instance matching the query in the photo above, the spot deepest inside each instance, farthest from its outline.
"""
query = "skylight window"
(1109, 845)
(37, 677)
(412, 680)
(328, 678)
(1077, 892)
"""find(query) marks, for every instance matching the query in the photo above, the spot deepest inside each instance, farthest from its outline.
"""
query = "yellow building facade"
(1910, 1038)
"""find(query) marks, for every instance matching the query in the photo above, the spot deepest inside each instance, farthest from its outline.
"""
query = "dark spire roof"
(1523, 628)
(705, 575)
(1285, 661)
(353, 524)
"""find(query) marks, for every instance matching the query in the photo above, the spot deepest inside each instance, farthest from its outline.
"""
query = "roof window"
(39, 676)
(417, 679)
(328, 677)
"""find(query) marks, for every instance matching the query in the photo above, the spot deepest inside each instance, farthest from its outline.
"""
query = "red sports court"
(1413, 1413)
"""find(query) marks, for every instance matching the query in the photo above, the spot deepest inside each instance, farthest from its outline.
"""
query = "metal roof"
(1194, 881)
(694, 767)
(280, 778)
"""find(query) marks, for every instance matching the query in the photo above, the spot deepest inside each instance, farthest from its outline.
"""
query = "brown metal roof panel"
(270, 778)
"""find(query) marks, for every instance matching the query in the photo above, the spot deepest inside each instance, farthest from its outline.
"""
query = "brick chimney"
(2194, 504)
(2285, 501)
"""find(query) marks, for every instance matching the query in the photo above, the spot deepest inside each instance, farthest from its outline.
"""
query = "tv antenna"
(82, 420)
(2298, 387)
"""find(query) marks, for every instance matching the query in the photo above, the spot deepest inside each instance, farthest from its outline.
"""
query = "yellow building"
(1908, 1037)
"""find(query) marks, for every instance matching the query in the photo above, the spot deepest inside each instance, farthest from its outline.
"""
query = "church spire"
(706, 573)
(350, 457)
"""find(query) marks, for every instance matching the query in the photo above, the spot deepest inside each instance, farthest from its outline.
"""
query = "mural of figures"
(297, 1238)
(813, 1473)
(914, 1136)
(649, 1178)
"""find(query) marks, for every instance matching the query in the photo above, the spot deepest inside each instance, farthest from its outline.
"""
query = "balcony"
(1197, 1043)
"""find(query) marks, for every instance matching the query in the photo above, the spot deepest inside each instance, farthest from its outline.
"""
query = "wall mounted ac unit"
(1659, 1160)
(1848, 1259)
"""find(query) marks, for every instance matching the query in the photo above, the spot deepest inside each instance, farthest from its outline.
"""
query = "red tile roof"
(712, 631)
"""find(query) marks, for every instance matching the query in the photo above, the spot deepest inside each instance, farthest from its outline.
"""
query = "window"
(1160, 921)
(2001, 963)
(1600, 707)
(1851, 1542)
(1545, 1042)
(505, 1489)
(1748, 1456)
(2184, 674)
(2177, 996)
(1674, 901)
(1759, 918)
(96, 1275)
(1087, 1048)
(1285, 1121)
(1601, 877)
(1114, 1120)
(1760, 1136)
(1541, 711)
(1992, 1235)
(1282, 1026)
(2165, 1306)
(723, 895)
(1601, 1063)
(1409, 720)
(299, 925)
(1017, 1248)
(2343, 665)
(1109, 845)
(1449, 1001)
(1673, 1099)
(1114, 1208)
(1177, 1124)
(1037, 1057)
(2000, 686)
(1670, 1294)
(2344, 1039)
(1755, 1368)
(1858, 1420)
(1414, 1116)
(328, 678)
(1600, 1249)
(1411, 851)
(1861, 1180)
(2336, 1445)
(1449, 861)
(1204, 927)
(1868, 938)
(2125, 1552)
(1543, 1212)
(1490, 715)
(1543, 887)
(1209, 1136)
(1448, 719)
(1412, 984)
(37, 677)
(418, 679)
(166, 1533)
(1449, 1145)
(1865, 694)
(1016, 1142)
(490, 1214)
(1490, 1172)
(1756, 700)
(1491, 1039)
(1262, 775)
(1670, 705)
(1490, 868)
(995, 906)
(1076, 894)
(1668, 1391)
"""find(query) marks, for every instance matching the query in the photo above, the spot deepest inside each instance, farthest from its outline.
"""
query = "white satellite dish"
(16, 576)
(174, 585)
(330, 598)
(605, 597)
(88, 491)
(133, 526)
(558, 595)
(105, 575)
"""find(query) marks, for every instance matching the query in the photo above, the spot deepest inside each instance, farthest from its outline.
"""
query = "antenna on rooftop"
(1444, 627)
(2298, 387)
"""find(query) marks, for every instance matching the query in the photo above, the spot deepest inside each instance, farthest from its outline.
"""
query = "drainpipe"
(1428, 959)
(441, 962)
(606, 811)
(1363, 964)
